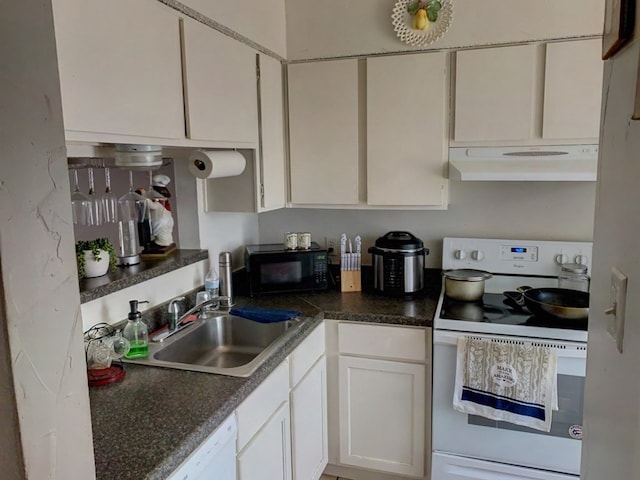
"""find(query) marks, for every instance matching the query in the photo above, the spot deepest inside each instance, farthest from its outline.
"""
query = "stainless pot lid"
(467, 274)
(403, 241)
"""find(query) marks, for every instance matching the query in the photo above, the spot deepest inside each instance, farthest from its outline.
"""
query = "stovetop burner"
(513, 263)
(496, 308)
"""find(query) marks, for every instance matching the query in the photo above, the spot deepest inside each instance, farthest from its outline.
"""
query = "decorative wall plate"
(403, 24)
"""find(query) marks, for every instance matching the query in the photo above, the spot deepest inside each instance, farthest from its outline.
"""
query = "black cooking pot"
(398, 264)
(560, 303)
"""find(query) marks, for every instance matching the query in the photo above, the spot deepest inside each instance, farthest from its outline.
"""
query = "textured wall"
(612, 394)
(41, 304)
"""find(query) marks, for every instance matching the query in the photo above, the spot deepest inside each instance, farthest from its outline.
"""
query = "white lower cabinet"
(264, 439)
(267, 455)
(309, 424)
(308, 400)
(382, 412)
(282, 425)
(379, 396)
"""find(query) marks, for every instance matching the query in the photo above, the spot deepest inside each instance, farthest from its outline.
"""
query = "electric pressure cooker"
(398, 264)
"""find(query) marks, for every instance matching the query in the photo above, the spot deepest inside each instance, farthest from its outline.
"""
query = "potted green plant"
(95, 257)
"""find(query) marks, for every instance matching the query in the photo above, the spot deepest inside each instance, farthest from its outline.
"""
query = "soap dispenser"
(136, 332)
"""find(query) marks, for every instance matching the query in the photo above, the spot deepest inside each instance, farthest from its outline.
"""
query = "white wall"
(518, 210)
(333, 28)
(113, 308)
(612, 409)
(41, 302)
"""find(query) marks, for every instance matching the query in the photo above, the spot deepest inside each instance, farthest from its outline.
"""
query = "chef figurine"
(161, 217)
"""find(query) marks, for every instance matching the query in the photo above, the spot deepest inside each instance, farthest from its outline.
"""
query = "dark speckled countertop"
(146, 425)
(148, 268)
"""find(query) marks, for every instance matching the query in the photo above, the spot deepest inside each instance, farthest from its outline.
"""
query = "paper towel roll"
(216, 163)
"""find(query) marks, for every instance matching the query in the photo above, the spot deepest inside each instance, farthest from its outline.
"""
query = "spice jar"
(574, 276)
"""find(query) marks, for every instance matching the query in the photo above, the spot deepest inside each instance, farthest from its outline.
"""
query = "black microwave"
(272, 269)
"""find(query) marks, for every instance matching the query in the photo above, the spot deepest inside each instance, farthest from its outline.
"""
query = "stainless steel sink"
(223, 344)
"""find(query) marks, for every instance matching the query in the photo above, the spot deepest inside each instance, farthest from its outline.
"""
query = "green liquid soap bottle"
(137, 333)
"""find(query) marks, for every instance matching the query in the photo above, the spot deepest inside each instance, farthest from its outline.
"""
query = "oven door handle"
(564, 349)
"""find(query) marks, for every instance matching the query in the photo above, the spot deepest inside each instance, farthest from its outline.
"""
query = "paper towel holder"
(209, 164)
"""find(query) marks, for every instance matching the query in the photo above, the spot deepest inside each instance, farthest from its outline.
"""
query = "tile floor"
(331, 477)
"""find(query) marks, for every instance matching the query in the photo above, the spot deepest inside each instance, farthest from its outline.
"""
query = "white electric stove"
(513, 263)
(472, 447)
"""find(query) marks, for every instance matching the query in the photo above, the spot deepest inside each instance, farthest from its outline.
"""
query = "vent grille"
(535, 154)
(557, 346)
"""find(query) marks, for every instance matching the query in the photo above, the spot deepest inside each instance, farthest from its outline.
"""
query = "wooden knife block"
(350, 281)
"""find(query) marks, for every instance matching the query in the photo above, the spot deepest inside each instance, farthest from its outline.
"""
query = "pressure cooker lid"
(399, 241)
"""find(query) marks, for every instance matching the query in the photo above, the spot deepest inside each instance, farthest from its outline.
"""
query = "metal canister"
(226, 280)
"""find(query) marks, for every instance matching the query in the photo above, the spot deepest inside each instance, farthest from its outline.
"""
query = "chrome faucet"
(179, 326)
(174, 313)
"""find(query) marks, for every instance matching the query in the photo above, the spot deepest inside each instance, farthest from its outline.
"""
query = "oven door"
(480, 438)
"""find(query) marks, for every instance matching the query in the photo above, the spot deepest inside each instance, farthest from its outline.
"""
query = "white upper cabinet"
(120, 71)
(323, 131)
(272, 178)
(220, 87)
(529, 95)
(494, 94)
(573, 90)
(407, 105)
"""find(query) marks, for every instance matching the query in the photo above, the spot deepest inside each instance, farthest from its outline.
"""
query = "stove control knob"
(460, 254)
(477, 255)
(581, 259)
(561, 258)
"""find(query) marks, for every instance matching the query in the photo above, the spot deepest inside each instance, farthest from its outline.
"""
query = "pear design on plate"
(424, 12)
(420, 20)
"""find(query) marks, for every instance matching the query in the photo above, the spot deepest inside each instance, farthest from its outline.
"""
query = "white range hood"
(558, 163)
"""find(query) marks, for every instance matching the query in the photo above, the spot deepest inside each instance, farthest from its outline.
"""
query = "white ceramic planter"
(93, 268)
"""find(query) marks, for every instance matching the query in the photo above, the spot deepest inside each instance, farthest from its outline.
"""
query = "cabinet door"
(272, 159)
(407, 112)
(220, 87)
(268, 454)
(407, 104)
(120, 70)
(495, 93)
(309, 424)
(573, 90)
(382, 415)
(254, 412)
(323, 132)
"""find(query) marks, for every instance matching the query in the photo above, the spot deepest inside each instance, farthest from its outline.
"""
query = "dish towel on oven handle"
(507, 380)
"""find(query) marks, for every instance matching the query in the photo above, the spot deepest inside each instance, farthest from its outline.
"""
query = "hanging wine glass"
(80, 203)
(95, 217)
(109, 200)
